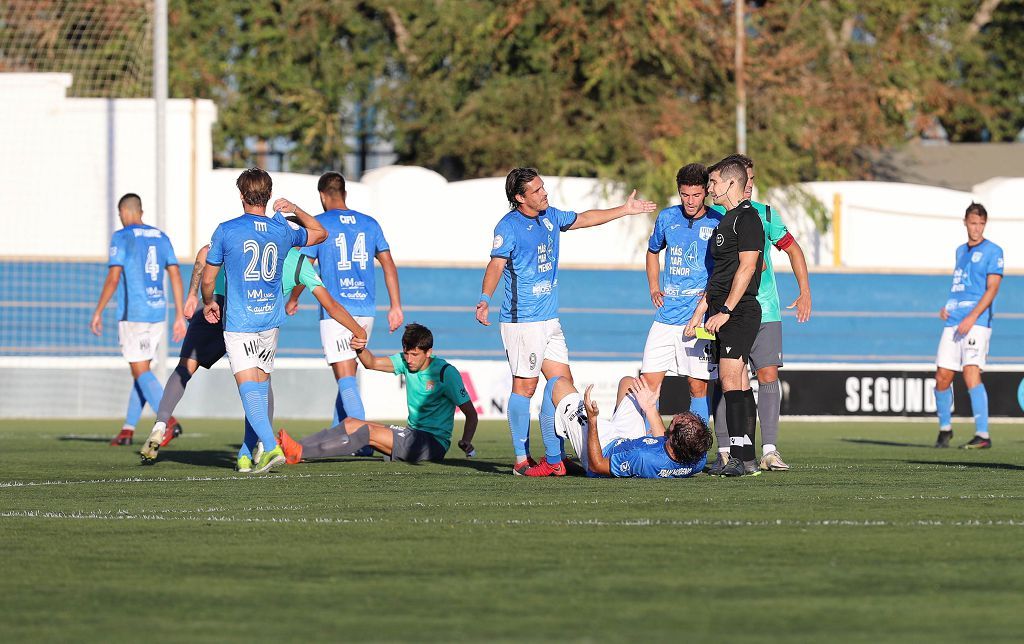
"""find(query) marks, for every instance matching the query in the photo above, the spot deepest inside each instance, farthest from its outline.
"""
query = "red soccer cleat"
(546, 469)
(124, 438)
(172, 431)
(292, 448)
(519, 469)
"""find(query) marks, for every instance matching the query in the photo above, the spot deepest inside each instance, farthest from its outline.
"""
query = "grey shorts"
(767, 349)
(413, 446)
(204, 342)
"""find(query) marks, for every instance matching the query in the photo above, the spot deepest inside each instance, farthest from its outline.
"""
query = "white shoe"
(152, 445)
(772, 461)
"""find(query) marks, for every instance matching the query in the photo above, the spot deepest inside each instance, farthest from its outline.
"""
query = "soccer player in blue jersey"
(354, 240)
(682, 232)
(968, 318)
(525, 251)
(635, 442)
(139, 256)
(252, 249)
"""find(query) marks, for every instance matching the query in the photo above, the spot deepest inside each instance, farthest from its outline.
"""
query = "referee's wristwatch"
(725, 309)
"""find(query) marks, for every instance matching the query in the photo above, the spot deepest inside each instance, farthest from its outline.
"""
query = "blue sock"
(151, 389)
(944, 407)
(351, 402)
(248, 441)
(339, 410)
(135, 402)
(979, 405)
(553, 447)
(519, 424)
(700, 407)
(254, 401)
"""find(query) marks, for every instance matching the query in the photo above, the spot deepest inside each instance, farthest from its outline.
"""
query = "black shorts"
(413, 446)
(204, 342)
(736, 338)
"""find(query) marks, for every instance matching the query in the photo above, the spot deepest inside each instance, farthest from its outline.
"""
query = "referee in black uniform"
(735, 315)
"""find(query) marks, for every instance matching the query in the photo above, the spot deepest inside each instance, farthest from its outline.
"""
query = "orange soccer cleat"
(292, 448)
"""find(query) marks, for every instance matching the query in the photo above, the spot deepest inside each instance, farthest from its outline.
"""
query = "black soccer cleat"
(734, 468)
(944, 437)
(977, 443)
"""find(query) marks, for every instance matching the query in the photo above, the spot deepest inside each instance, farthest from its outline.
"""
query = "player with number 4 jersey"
(354, 241)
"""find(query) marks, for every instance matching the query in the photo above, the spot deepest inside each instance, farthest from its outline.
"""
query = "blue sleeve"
(215, 256)
(995, 264)
(170, 259)
(381, 243)
(504, 241)
(565, 218)
(625, 464)
(657, 241)
(299, 236)
(118, 251)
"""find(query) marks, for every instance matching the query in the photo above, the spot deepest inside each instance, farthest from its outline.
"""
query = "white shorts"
(336, 339)
(668, 350)
(248, 350)
(957, 352)
(627, 422)
(529, 344)
(140, 341)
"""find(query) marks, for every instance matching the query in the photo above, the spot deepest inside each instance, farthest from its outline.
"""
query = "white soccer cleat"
(772, 462)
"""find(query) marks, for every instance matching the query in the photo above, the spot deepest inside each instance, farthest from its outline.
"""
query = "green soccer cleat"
(244, 465)
(271, 459)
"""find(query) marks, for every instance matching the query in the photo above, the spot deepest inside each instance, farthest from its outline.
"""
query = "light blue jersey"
(251, 250)
(970, 278)
(142, 252)
(530, 244)
(687, 261)
(646, 458)
(346, 259)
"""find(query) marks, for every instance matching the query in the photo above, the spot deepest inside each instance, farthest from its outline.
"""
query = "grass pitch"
(872, 536)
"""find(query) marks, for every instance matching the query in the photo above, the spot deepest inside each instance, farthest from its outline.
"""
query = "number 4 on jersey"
(359, 254)
(152, 265)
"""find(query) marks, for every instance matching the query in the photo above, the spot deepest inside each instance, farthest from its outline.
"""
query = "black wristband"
(725, 309)
(358, 351)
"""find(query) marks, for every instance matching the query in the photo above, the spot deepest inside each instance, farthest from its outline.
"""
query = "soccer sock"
(131, 417)
(249, 441)
(944, 407)
(270, 402)
(736, 410)
(769, 404)
(173, 391)
(750, 427)
(721, 423)
(519, 424)
(553, 446)
(699, 406)
(339, 409)
(254, 401)
(151, 389)
(349, 393)
(979, 405)
(335, 441)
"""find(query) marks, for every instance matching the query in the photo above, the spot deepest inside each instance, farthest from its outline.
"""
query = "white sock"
(159, 425)
(981, 434)
(767, 447)
(130, 428)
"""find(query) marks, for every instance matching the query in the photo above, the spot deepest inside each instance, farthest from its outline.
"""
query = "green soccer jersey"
(774, 231)
(432, 394)
(297, 270)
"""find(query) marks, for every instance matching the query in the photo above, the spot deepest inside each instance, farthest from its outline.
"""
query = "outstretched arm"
(369, 360)
(633, 206)
(395, 315)
(799, 264)
(338, 312)
(107, 292)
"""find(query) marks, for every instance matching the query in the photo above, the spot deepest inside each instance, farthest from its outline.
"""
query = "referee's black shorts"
(736, 338)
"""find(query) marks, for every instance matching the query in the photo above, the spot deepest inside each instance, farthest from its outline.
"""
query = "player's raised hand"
(589, 404)
(96, 324)
(395, 318)
(191, 303)
(803, 307)
(657, 298)
(179, 328)
(645, 395)
(283, 205)
(211, 312)
(634, 206)
(482, 310)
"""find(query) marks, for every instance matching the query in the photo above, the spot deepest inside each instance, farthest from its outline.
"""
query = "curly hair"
(689, 437)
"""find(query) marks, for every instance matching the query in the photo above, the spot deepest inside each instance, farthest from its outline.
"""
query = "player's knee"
(766, 375)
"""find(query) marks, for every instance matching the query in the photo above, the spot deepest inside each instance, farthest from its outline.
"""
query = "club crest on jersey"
(719, 239)
(547, 224)
(428, 385)
(705, 233)
(498, 241)
(976, 256)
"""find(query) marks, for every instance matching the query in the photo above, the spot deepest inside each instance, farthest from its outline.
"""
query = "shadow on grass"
(199, 458)
(489, 467)
(84, 438)
(986, 466)
(868, 441)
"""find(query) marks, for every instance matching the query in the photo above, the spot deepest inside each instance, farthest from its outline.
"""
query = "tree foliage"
(621, 89)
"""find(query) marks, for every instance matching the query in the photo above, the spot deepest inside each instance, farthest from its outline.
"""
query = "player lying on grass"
(204, 341)
(635, 442)
(433, 389)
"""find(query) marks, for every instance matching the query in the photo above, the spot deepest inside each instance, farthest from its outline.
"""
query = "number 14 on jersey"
(359, 254)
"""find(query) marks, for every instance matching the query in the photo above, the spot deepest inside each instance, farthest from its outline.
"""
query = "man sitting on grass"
(433, 390)
(635, 442)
